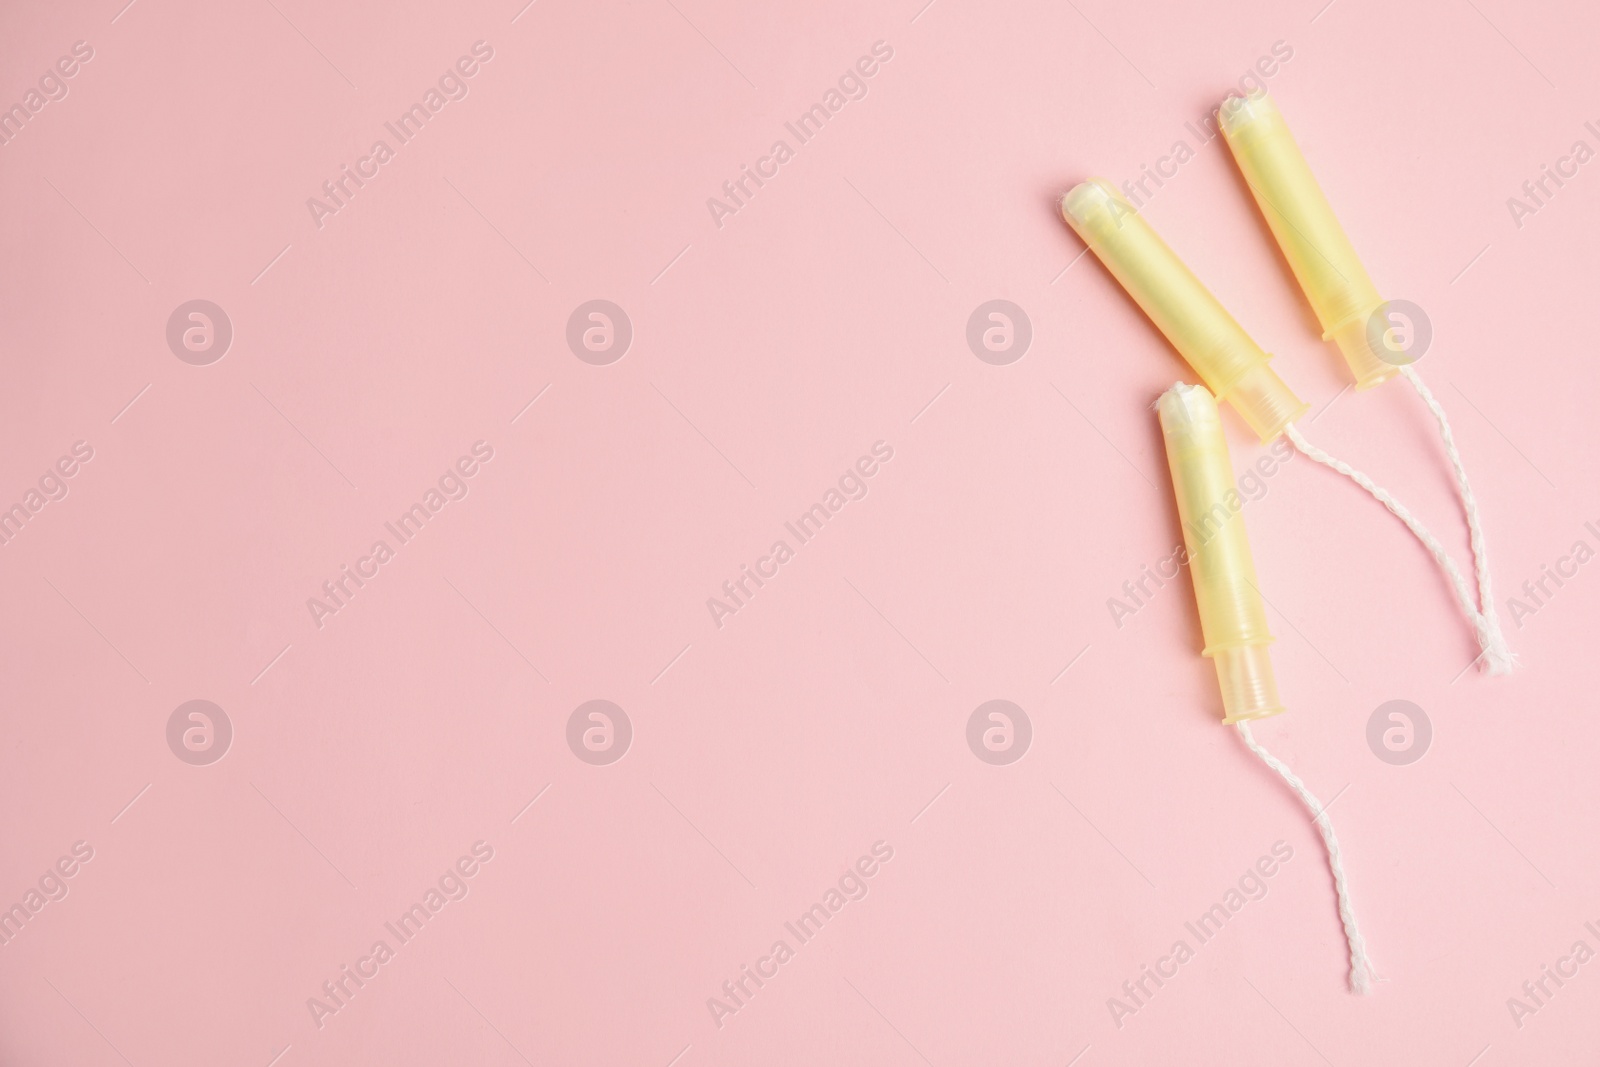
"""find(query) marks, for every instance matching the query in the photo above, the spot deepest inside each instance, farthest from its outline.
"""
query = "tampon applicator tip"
(1091, 205)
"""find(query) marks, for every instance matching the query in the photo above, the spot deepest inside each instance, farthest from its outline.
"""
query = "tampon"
(1199, 327)
(1231, 613)
(1321, 256)
(1355, 318)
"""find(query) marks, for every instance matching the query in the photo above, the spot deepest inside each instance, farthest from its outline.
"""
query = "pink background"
(768, 354)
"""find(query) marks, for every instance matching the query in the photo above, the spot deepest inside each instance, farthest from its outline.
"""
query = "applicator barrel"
(1232, 616)
(1320, 254)
(1182, 308)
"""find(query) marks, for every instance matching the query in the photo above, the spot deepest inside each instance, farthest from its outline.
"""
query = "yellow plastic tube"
(1210, 511)
(1183, 309)
(1321, 256)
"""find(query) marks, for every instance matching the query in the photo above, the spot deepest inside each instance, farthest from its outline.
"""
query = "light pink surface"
(830, 712)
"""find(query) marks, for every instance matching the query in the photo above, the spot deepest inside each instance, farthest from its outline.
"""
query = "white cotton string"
(1498, 658)
(1486, 627)
(1361, 972)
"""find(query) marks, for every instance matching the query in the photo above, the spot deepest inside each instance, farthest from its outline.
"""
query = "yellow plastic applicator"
(1231, 613)
(1199, 327)
(1320, 254)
